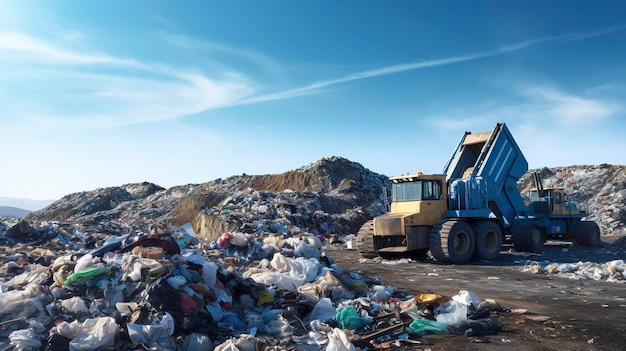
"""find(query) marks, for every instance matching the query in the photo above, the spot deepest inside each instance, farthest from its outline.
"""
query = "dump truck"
(472, 208)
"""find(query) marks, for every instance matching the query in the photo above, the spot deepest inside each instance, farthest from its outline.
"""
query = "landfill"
(170, 290)
(115, 273)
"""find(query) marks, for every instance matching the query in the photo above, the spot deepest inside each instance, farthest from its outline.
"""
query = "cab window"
(415, 191)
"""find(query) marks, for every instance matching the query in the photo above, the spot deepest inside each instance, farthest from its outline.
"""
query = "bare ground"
(561, 313)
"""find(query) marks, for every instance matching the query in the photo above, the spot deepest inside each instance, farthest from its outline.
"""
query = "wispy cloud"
(257, 59)
(318, 86)
(25, 47)
(566, 109)
(120, 92)
(600, 32)
(125, 91)
(537, 107)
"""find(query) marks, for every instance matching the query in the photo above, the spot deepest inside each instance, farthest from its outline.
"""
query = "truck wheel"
(452, 242)
(365, 240)
(488, 239)
(587, 233)
(526, 237)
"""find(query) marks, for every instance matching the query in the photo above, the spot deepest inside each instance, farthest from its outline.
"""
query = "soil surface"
(560, 313)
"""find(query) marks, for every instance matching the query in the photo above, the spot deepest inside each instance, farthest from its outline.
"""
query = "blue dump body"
(482, 175)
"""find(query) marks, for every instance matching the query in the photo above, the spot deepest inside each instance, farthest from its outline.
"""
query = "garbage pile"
(331, 195)
(173, 291)
(290, 213)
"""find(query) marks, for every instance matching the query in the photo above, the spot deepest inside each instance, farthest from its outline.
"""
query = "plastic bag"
(153, 337)
(86, 274)
(75, 305)
(241, 239)
(209, 273)
(94, 333)
(467, 298)
(224, 240)
(87, 261)
(27, 339)
(197, 342)
(323, 311)
(426, 326)
(381, 292)
(348, 318)
(451, 312)
(338, 341)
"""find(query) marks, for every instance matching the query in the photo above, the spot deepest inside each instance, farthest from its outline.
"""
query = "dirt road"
(561, 313)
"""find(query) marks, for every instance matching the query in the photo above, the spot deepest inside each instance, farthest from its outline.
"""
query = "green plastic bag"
(426, 326)
(348, 318)
(84, 275)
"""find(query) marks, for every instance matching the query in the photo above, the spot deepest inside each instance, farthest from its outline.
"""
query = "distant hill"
(9, 211)
(27, 204)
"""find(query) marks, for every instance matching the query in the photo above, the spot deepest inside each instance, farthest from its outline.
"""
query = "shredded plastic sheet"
(426, 326)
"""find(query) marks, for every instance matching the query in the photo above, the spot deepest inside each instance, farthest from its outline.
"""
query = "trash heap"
(290, 212)
(173, 291)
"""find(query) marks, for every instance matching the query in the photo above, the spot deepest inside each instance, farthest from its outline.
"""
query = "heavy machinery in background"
(473, 207)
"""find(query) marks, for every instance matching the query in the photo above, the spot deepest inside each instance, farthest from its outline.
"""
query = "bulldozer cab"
(549, 201)
(422, 197)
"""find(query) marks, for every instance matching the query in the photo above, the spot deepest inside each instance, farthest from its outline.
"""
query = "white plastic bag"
(75, 305)
(338, 341)
(154, 337)
(323, 311)
(467, 298)
(451, 312)
(94, 333)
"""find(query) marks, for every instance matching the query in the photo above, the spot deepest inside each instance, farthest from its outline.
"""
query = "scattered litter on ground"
(612, 271)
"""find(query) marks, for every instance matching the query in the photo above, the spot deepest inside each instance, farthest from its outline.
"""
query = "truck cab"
(417, 203)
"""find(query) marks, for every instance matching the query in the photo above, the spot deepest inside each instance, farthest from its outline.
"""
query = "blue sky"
(97, 94)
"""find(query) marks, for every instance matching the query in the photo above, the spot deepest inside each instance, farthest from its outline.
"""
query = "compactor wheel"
(452, 241)
(488, 239)
(365, 240)
(587, 233)
(526, 237)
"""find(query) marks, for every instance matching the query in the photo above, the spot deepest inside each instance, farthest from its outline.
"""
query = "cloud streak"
(126, 91)
(317, 86)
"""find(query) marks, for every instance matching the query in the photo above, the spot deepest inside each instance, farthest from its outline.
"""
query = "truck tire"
(452, 241)
(488, 239)
(365, 240)
(587, 233)
(526, 237)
